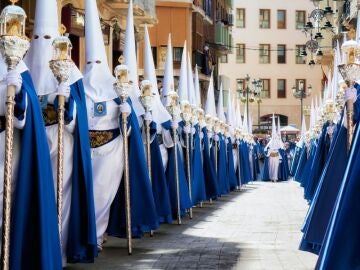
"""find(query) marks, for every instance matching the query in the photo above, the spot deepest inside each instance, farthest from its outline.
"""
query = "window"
(264, 18)
(300, 17)
(264, 54)
(224, 59)
(154, 53)
(281, 19)
(240, 18)
(281, 88)
(299, 58)
(240, 53)
(281, 54)
(177, 52)
(265, 93)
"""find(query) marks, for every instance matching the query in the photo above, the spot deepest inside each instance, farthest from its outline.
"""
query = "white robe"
(274, 163)
(107, 164)
(52, 138)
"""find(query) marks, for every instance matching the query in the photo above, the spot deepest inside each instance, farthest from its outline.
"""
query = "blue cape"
(209, 168)
(318, 163)
(185, 202)
(197, 173)
(323, 203)
(81, 245)
(223, 179)
(158, 178)
(307, 167)
(295, 160)
(230, 164)
(246, 176)
(301, 164)
(143, 211)
(341, 244)
(283, 173)
(265, 176)
(34, 235)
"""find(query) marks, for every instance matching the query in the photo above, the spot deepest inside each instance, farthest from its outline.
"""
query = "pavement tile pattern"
(257, 228)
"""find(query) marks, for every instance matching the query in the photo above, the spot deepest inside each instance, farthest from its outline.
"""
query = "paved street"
(258, 228)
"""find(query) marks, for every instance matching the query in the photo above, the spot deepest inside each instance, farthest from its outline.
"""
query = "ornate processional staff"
(61, 65)
(174, 111)
(186, 115)
(13, 46)
(121, 87)
(147, 99)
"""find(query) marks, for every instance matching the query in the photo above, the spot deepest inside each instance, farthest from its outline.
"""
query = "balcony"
(203, 7)
(223, 38)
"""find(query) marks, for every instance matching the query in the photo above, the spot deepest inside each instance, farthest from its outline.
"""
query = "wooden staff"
(188, 168)
(178, 213)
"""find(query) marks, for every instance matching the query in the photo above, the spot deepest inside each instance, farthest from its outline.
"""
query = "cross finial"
(62, 29)
(121, 59)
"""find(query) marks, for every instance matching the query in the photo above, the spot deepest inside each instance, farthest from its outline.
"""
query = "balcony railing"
(223, 38)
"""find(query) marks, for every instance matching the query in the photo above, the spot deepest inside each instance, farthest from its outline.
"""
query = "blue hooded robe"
(231, 169)
(223, 179)
(34, 239)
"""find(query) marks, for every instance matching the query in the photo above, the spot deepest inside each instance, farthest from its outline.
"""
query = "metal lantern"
(13, 42)
(147, 96)
(122, 80)
(61, 63)
(186, 111)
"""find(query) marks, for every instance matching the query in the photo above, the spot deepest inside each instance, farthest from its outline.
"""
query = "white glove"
(201, 135)
(193, 130)
(187, 129)
(63, 90)
(14, 78)
(125, 108)
(350, 93)
(174, 124)
(226, 141)
(216, 138)
(210, 134)
(148, 117)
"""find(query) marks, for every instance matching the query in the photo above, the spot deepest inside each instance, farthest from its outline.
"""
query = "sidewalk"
(258, 228)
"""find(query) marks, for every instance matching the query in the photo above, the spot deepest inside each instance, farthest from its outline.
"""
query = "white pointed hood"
(303, 128)
(197, 87)
(220, 106)
(230, 112)
(312, 115)
(183, 84)
(275, 142)
(278, 128)
(98, 79)
(238, 115)
(168, 82)
(190, 83)
(131, 62)
(358, 27)
(210, 108)
(46, 28)
(159, 112)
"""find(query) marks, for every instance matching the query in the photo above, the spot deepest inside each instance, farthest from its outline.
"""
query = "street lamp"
(249, 95)
(300, 92)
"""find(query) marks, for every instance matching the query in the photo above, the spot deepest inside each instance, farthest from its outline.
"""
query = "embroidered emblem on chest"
(100, 109)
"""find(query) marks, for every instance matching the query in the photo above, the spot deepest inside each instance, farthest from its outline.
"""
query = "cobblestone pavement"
(257, 228)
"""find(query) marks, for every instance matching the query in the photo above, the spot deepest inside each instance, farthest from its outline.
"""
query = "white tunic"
(107, 164)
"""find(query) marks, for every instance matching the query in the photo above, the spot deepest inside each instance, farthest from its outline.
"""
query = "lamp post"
(249, 95)
(299, 92)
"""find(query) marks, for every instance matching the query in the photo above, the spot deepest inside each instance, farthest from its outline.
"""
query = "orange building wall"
(175, 19)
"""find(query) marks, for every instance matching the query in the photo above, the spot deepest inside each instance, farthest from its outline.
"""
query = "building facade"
(201, 23)
(268, 40)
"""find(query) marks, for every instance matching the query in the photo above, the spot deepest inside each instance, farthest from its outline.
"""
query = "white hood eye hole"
(88, 62)
(36, 37)
(98, 62)
(47, 37)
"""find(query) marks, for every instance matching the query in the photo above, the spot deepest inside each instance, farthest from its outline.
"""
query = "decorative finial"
(62, 28)
(14, 1)
(121, 59)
